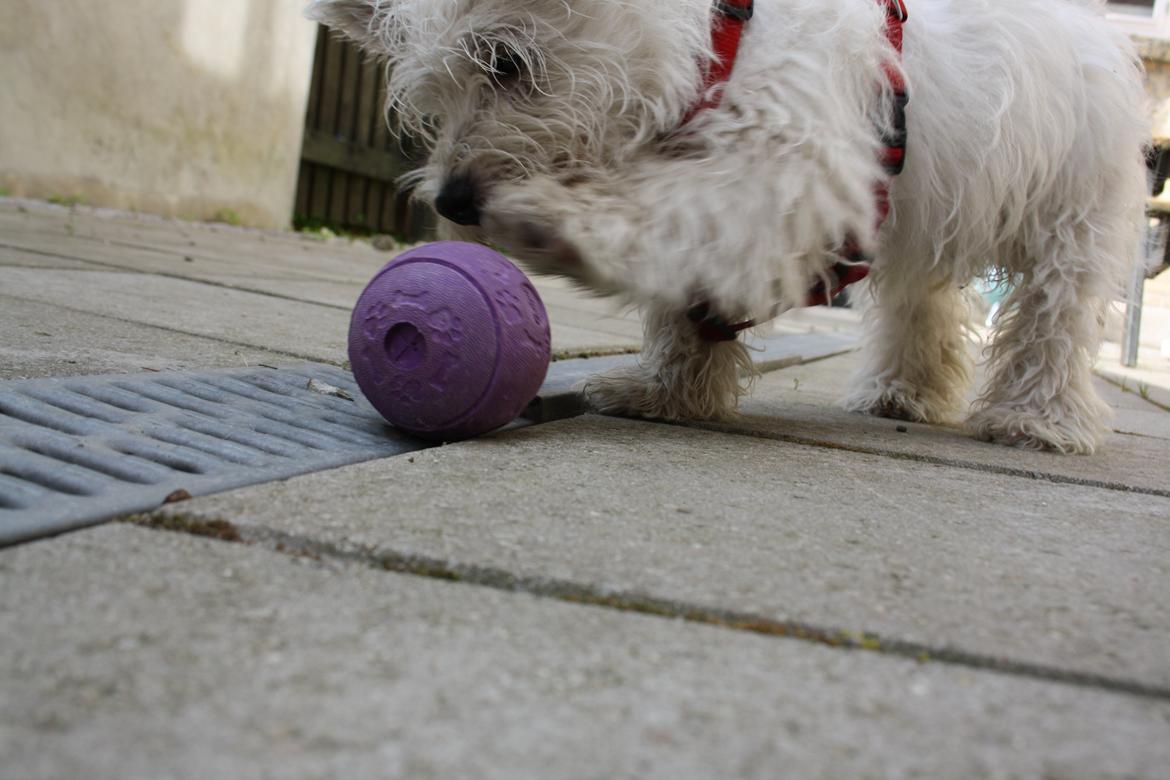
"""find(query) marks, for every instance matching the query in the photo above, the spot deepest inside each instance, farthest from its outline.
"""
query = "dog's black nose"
(458, 201)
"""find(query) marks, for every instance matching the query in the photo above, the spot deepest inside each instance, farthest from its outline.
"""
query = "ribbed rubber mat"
(79, 450)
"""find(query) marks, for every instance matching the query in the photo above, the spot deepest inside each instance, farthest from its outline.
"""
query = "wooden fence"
(350, 161)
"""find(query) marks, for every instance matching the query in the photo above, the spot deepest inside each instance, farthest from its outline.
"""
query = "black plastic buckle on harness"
(712, 327)
(740, 13)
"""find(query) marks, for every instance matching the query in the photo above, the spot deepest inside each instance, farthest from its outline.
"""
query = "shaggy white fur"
(558, 126)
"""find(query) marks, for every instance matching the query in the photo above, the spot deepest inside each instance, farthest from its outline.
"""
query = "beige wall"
(189, 108)
(1156, 58)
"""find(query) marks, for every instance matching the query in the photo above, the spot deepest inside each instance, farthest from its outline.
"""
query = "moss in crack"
(584, 354)
(228, 217)
(214, 528)
(67, 200)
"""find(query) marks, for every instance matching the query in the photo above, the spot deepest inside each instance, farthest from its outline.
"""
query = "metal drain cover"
(78, 450)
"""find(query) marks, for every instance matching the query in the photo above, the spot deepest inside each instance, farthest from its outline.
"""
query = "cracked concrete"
(1041, 572)
(253, 664)
(803, 592)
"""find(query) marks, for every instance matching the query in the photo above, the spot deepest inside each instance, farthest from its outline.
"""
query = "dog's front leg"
(594, 235)
(744, 232)
(605, 239)
(678, 376)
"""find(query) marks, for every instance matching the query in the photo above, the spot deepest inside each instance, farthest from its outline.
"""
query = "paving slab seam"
(557, 355)
(1121, 384)
(165, 329)
(564, 354)
(25, 267)
(634, 602)
(1007, 471)
(766, 366)
(180, 277)
(560, 355)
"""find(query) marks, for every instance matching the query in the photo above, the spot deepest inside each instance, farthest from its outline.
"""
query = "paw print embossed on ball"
(449, 340)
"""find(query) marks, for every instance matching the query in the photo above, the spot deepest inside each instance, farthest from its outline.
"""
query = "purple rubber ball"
(449, 340)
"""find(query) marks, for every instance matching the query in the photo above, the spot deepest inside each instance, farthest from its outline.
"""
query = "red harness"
(732, 17)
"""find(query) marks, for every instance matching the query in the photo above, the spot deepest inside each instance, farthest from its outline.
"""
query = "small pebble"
(176, 496)
(327, 389)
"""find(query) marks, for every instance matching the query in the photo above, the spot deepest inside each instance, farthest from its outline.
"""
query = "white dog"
(587, 138)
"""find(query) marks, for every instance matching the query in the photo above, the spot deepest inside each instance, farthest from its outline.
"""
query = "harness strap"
(726, 33)
(855, 264)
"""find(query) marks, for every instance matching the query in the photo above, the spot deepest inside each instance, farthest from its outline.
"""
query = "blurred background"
(237, 111)
(242, 111)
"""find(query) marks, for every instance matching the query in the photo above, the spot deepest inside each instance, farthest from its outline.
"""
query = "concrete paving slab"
(824, 385)
(1127, 399)
(801, 404)
(1055, 574)
(618, 329)
(77, 452)
(559, 292)
(573, 330)
(348, 258)
(39, 340)
(292, 268)
(818, 319)
(19, 258)
(1149, 379)
(227, 250)
(222, 250)
(116, 224)
(300, 330)
(209, 659)
(245, 260)
(1132, 415)
(561, 396)
(274, 277)
(216, 239)
(569, 342)
(334, 294)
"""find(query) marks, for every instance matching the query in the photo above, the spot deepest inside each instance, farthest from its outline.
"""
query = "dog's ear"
(354, 19)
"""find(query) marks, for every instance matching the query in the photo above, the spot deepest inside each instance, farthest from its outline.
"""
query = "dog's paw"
(525, 219)
(897, 401)
(632, 392)
(639, 392)
(1034, 430)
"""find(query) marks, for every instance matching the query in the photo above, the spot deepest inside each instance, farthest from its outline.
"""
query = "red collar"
(731, 17)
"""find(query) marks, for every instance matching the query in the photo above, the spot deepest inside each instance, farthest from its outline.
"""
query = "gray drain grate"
(78, 450)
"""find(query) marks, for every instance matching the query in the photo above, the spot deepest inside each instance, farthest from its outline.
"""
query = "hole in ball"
(405, 346)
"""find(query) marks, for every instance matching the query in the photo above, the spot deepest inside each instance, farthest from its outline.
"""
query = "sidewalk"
(804, 593)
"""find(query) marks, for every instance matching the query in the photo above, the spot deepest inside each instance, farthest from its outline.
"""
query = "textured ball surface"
(449, 340)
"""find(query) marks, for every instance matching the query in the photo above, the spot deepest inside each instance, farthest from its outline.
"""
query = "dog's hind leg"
(678, 377)
(1040, 394)
(917, 355)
